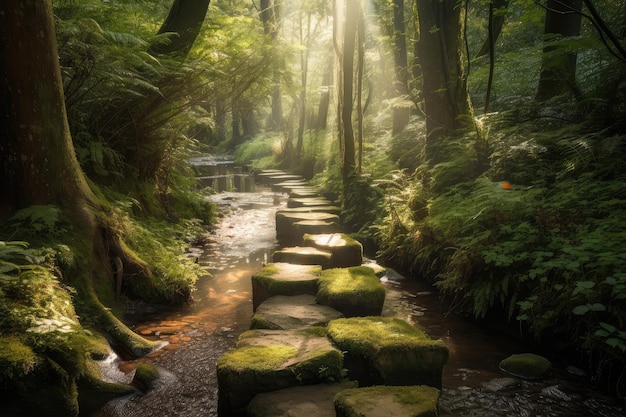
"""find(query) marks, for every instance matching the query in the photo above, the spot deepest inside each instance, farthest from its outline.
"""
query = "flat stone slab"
(312, 209)
(306, 401)
(285, 219)
(303, 192)
(398, 401)
(288, 312)
(275, 179)
(286, 186)
(270, 360)
(388, 351)
(304, 227)
(355, 291)
(303, 255)
(284, 279)
(308, 202)
(346, 250)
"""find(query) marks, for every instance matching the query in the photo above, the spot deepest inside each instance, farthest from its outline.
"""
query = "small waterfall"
(220, 173)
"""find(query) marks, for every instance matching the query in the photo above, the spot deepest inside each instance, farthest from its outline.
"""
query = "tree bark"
(558, 67)
(499, 16)
(184, 21)
(349, 44)
(446, 100)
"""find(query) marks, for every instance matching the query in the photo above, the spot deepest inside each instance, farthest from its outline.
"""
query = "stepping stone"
(312, 209)
(409, 401)
(308, 202)
(305, 401)
(303, 192)
(303, 255)
(270, 360)
(286, 186)
(304, 227)
(288, 312)
(286, 218)
(263, 176)
(284, 279)
(275, 179)
(388, 351)
(346, 250)
(355, 291)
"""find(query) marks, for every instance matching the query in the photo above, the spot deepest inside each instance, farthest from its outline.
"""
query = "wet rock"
(555, 392)
(311, 400)
(381, 401)
(389, 351)
(292, 312)
(285, 219)
(284, 279)
(574, 371)
(269, 360)
(526, 366)
(346, 250)
(500, 384)
(355, 291)
(304, 256)
(304, 227)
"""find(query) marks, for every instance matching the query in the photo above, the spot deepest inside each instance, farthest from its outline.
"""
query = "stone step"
(346, 250)
(407, 401)
(284, 279)
(289, 312)
(308, 202)
(303, 255)
(270, 360)
(287, 186)
(388, 351)
(304, 227)
(355, 291)
(285, 232)
(303, 401)
(276, 178)
(303, 192)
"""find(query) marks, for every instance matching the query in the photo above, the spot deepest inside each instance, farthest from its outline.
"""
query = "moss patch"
(16, 358)
(354, 291)
(382, 401)
(526, 366)
(256, 358)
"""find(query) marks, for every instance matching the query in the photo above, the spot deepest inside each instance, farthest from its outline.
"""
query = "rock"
(400, 401)
(286, 186)
(304, 227)
(292, 312)
(328, 208)
(526, 366)
(269, 360)
(304, 256)
(355, 291)
(285, 219)
(307, 202)
(308, 401)
(389, 351)
(284, 279)
(303, 192)
(500, 384)
(555, 392)
(346, 250)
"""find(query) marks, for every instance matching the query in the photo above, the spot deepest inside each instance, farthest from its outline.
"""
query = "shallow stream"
(243, 240)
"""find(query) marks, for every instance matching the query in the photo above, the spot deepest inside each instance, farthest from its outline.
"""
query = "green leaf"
(581, 310)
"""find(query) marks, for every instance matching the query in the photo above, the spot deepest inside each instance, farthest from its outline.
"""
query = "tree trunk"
(446, 101)
(558, 68)
(304, 68)
(499, 16)
(38, 164)
(349, 43)
(327, 83)
(183, 22)
(270, 16)
(401, 112)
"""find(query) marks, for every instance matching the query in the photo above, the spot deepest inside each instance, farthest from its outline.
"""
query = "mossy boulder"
(292, 312)
(284, 279)
(526, 366)
(355, 291)
(382, 401)
(304, 401)
(346, 251)
(285, 219)
(307, 202)
(269, 360)
(303, 255)
(389, 351)
(145, 376)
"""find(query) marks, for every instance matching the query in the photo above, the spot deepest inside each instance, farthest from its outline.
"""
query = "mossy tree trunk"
(446, 100)
(184, 21)
(38, 164)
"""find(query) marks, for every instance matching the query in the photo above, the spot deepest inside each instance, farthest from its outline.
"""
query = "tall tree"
(270, 17)
(183, 22)
(558, 67)
(446, 100)
(38, 164)
(401, 111)
(348, 165)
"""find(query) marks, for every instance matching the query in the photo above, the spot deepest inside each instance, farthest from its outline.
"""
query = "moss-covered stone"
(382, 401)
(346, 251)
(526, 366)
(355, 291)
(284, 279)
(145, 375)
(292, 312)
(269, 360)
(385, 350)
(16, 359)
(304, 256)
(307, 202)
(285, 232)
(303, 401)
(304, 227)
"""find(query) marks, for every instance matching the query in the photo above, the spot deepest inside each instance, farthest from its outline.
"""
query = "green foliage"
(37, 222)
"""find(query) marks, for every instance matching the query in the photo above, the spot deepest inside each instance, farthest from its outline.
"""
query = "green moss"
(16, 358)
(259, 321)
(256, 358)
(145, 375)
(367, 336)
(526, 365)
(355, 288)
(415, 401)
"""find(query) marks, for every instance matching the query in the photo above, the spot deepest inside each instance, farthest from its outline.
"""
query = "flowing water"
(243, 240)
